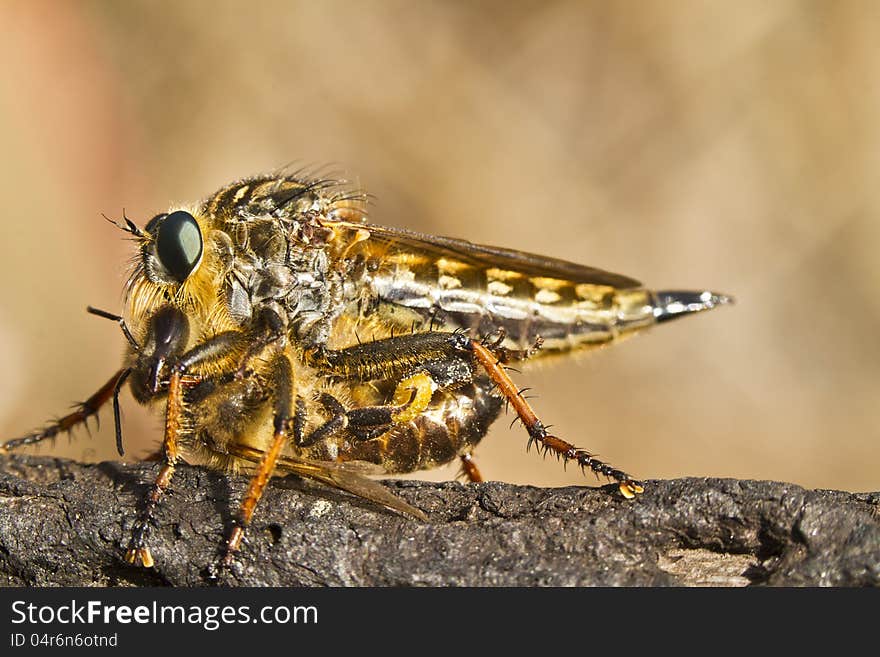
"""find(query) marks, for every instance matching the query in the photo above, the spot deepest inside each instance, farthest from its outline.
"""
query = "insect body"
(284, 333)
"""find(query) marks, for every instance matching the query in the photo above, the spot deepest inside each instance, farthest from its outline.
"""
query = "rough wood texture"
(64, 523)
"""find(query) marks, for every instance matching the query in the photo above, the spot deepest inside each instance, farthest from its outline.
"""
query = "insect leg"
(469, 469)
(269, 329)
(282, 373)
(411, 398)
(393, 359)
(337, 422)
(211, 351)
(300, 415)
(86, 409)
(221, 346)
(117, 413)
(137, 550)
(538, 432)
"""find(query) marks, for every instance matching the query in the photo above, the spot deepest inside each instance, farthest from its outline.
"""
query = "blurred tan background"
(691, 144)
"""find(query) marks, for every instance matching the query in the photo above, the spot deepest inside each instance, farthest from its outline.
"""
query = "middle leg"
(281, 374)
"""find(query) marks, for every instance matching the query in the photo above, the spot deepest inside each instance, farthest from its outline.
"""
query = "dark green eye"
(178, 243)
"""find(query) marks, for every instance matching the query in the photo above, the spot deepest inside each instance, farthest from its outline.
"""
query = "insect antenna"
(129, 226)
(119, 320)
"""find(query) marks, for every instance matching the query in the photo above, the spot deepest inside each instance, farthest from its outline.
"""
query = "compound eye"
(178, 243)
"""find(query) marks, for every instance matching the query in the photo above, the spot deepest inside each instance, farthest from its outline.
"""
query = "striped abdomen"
(566, 314)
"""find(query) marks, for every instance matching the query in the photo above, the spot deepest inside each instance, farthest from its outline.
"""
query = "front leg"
(87, 409)
(137, 551)
(211, 354)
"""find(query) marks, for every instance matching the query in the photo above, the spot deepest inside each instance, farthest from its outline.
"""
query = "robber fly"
(282, 333)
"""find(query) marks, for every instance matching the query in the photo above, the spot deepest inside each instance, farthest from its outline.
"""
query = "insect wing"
(347, 476)
(397, 240)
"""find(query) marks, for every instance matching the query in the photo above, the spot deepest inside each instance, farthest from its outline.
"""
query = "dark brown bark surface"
(65, 523)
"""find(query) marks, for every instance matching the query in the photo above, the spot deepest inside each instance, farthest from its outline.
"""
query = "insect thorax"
(265, 248)
(273, 268)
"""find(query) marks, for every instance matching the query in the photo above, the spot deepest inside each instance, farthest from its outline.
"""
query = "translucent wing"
(399, 240)
(347, 476)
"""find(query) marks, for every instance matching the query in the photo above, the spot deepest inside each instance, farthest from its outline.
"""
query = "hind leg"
(469, 469)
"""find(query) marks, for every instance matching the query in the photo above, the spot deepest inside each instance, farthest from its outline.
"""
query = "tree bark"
(66, 523)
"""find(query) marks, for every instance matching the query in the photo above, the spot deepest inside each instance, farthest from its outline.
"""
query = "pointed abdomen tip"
(670, 304)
